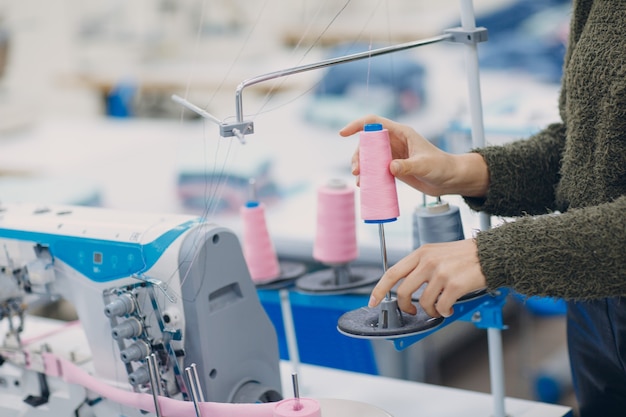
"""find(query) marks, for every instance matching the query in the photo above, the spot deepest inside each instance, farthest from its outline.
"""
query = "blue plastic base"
(319, 343)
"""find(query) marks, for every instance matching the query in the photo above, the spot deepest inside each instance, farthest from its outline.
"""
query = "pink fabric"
(258, 248)
(335, 237)
(56, 330)
(72, 374)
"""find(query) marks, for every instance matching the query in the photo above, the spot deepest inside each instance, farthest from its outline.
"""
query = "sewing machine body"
(141, 284)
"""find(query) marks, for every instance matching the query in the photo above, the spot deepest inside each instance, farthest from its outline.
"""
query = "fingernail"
(372, 302)
(353, 167)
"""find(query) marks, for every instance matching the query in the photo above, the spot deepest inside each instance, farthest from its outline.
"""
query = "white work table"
(402, 398)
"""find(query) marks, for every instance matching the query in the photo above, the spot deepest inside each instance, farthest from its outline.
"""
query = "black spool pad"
(324, 281)
(363, 323)
(289, 271)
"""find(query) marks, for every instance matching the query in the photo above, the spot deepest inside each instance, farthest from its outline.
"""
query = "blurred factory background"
(86, 117)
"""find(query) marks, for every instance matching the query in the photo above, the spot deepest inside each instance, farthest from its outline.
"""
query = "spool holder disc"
(339, 279)
(385, 321)
(289, 272)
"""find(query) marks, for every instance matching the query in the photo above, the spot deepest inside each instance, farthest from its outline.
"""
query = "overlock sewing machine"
(165, 302)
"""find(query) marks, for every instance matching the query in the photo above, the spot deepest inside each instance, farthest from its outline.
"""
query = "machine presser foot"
(385, 321)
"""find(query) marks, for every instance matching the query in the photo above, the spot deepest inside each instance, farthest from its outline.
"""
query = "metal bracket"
(467, 37)
(236, 129)
(485, 312)
(489, 314)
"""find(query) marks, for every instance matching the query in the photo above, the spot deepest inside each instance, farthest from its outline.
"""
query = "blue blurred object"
(119, 101)
(319, 343)
(528, 36)
(547, 389)
(542, 306)
(389, 85)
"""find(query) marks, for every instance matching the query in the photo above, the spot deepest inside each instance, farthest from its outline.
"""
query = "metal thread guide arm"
(241, 127)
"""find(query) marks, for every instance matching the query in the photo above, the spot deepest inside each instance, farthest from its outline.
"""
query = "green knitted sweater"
(577, 167)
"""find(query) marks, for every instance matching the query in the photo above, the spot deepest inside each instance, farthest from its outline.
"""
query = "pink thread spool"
(258, 249)
(335, 238)
(379, 197)
(298, 407)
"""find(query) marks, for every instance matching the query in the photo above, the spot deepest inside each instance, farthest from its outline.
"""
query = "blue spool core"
(393, 219)
(252, 204)
(372, 127)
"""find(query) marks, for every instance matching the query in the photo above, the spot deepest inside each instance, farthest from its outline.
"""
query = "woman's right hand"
(422, 165)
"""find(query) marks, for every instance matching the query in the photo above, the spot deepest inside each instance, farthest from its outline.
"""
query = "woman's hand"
(451, 270)
(422, 165)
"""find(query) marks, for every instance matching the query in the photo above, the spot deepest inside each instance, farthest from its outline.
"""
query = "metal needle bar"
(296, 392)
(194, 387)
(196, 378)
(383, 251)
(154, 382)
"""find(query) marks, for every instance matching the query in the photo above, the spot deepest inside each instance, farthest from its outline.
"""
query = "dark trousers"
(596, 337)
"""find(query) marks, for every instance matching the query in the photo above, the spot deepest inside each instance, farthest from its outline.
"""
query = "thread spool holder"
(339, 278)
(240, 128)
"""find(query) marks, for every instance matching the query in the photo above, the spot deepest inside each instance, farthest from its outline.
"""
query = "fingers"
(389, 280)
(435, 300)
(397, 168)
(450, 269)
(405, 289)
(355, 163)
(357, 125)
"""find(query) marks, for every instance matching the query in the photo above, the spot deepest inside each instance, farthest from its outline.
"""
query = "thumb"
(399, 167)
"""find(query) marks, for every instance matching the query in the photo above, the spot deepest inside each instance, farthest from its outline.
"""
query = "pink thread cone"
(379, 197)
(303, 407)
(335, 238)
(258, 249)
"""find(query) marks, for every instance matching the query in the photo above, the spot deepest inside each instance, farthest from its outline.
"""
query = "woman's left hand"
(451, 270)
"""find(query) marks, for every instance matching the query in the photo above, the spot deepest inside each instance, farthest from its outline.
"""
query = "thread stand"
(339, 279)
(385, 321)
(335, 245)
(289, 272)
(266, 270)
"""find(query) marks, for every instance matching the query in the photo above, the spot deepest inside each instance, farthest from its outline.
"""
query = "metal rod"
(196, 378)
(496, 371)
(193, 390)
(328, 63)
(154, 383)
(290, 329)
(383, 251)
(252, 190)
(496, 365)
(185, 103)
(296, 392)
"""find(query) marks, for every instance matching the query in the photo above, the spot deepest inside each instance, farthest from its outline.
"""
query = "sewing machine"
(159, 297)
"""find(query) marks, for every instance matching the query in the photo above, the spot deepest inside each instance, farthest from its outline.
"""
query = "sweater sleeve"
(522, 175)
(575, 255)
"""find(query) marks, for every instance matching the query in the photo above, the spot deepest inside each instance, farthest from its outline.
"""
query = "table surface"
(402, 398)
